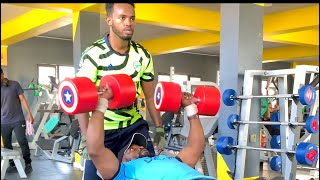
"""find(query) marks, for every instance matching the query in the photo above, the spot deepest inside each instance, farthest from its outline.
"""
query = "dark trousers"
(115, 140)
(19, 129)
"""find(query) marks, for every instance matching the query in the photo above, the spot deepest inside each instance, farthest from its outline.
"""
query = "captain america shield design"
(158, 96)
(67, 95)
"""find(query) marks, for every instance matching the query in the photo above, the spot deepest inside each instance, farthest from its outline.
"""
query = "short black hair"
(109, 7)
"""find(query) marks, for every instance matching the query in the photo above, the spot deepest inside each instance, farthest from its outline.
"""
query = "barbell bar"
(276, 164)
(311, 124)
(306, 153)
(306, 95)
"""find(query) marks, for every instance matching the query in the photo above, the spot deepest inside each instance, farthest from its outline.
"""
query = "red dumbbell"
(167, 97)
(80, 95)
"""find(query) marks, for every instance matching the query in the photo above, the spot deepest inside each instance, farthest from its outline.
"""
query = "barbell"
(276, 164)
(306, 153)
(311, 124)
(80, 95)
(167, 97)
(306, 95)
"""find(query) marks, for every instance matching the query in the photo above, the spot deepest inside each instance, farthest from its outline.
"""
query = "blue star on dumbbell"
(158, 96)
(67, 96)
(306, 96)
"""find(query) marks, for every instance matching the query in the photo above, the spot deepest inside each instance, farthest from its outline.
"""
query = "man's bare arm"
(83, 119)
(191, 153)
(148, 89)
(105, 161)
(26, 107)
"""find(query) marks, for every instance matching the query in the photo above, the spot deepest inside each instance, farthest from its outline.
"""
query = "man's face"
(134, 152)
(122, 21)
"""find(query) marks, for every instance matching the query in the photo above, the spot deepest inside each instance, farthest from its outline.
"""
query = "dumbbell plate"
(223, 145)
(231, 119)
(275, 163)
(209, 97)
(275, 142)
(123, 88)
(226, 97)
(167, 96)
(312, 124)
(77, 95)
(307, 153)
(307, 95)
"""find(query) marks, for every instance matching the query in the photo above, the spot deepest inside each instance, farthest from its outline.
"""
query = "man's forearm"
(155, 115)
(25, 106)
(104, 159)
(83, 120)
(196, 134)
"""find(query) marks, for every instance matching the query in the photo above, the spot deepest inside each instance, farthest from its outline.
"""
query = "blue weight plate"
(226, 97)
(275, 117)
(307, 153)
(223, 145)
(231, 119)
(275, 142)
(307, 95)
(312, 124)
(275, 163)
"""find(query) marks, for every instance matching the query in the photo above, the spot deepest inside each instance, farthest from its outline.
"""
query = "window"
(179, 79)
(65, 71)
(59, 72)
(44, 71)
(271, 90)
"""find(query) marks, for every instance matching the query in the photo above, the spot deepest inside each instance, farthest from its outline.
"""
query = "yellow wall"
(4, 58)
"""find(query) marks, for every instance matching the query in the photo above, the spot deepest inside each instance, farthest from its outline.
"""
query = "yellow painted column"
(4, 55)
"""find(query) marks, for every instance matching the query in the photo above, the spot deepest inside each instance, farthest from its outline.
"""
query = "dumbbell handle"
(265, 96)
(271, 123)
(263, 149)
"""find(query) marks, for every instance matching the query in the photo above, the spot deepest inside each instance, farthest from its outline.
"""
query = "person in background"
(116, 53)
(12, 119)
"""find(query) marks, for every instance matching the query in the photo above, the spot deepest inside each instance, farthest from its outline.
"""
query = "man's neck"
(118, 44)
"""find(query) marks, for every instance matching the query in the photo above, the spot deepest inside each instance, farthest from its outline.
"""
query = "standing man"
(116, 53)
(12, 119)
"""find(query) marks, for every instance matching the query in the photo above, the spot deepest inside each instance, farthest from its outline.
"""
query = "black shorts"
(116, 139)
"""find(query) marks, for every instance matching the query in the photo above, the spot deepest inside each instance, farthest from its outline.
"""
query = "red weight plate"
(167, 96)
(77, 95)
(123, 88)
(209, 97)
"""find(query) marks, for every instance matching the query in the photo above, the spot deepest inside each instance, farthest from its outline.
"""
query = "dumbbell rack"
(289, 137)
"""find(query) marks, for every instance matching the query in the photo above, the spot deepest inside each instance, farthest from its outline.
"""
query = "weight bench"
(6, 155)
(52, 147)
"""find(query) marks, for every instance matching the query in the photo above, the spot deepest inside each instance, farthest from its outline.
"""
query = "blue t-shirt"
(158, 167)
(11, 110)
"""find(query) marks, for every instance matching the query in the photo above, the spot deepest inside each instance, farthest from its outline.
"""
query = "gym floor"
(44, 169)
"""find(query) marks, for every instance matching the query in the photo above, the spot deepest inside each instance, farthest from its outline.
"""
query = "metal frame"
(53, 154)
(289, 136)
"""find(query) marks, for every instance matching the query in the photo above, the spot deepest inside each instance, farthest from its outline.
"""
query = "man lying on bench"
(135, 162)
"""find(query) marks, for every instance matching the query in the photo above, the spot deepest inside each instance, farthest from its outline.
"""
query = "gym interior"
(262, 57)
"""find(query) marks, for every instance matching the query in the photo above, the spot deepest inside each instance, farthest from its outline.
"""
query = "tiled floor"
(44, 169)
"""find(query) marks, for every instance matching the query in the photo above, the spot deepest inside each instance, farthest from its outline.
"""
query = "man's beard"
(117, 32)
